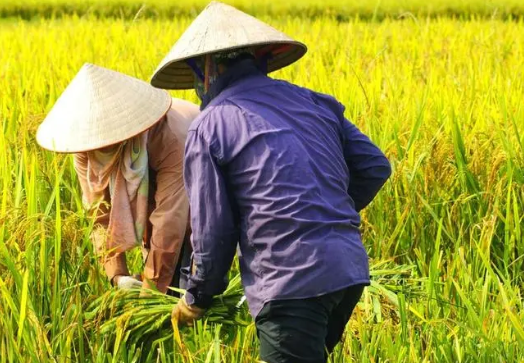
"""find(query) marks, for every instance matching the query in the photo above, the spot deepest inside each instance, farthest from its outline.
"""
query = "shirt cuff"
(197, 299)
(116, 265)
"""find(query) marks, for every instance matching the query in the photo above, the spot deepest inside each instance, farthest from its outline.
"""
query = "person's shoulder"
(183, 111)
(174, 125)
(215, 115)
(286, 85)
(314, 96)
(328, 101)
(177, 119)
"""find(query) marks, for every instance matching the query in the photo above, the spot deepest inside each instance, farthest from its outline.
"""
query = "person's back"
(282, 150)
(277, 169)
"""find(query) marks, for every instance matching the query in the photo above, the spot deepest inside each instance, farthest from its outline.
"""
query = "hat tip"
(88, 69)
(215, 3)
(88, 65)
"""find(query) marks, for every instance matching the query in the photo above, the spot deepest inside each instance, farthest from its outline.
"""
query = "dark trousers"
(305, 330)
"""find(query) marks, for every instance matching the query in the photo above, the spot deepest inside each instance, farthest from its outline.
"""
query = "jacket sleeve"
(213, 222)
(368, 167)
(170, 216)
(98, 205)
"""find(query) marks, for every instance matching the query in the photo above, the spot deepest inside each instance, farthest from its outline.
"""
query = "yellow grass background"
(443, 98)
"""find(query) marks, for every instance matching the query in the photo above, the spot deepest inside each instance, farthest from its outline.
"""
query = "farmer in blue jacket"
(276, 170)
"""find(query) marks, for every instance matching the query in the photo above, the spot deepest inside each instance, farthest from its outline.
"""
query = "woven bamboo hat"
(99, 108)
(219, 28)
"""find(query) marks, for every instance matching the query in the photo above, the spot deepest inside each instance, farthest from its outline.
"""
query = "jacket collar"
(240, 86)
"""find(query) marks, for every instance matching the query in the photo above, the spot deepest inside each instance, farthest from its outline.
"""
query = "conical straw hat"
(99, 108)
(218, 28)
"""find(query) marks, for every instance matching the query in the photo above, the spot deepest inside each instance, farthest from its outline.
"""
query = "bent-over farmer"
(127, 138)
(277, 169)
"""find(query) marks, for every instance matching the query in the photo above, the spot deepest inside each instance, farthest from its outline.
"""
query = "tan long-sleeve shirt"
(168, 210)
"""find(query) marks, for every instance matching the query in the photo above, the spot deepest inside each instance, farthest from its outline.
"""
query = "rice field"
(442, 95)
(340, 9)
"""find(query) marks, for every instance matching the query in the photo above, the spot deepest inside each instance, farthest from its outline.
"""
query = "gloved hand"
(186, 314)
(127, 282)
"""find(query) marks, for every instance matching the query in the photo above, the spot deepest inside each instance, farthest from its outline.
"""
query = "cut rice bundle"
(138, 318)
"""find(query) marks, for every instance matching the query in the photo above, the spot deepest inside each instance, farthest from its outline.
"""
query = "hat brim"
(103, 144)
(176, 74)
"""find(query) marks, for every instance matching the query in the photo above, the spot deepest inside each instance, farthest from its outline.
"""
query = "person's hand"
(185, 314)
(127, 282)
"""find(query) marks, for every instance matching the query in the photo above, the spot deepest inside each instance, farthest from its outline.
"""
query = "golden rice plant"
(442, 95)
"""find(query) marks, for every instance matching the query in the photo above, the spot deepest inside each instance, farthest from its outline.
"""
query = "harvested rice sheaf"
(142, 316)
